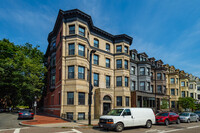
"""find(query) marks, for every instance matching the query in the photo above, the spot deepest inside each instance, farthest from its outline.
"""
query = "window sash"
(142, 72)
(72, 29)
(96, 59)
(119, 101)
(119, 81)
(119, 48)
(96, 43)
(108, 63)
(81, 98)
(70, 98)
(127, 101)
(119, 63)
(81, 72)
(107, 81)
(70, 72)
(96, 79)
(126, 64)
(81, 50)
(71, 49)
(108, 47)
(126, 81)
(82, 31)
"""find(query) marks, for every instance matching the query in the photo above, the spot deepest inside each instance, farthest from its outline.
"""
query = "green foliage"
(197, 106)
(21, 73)
(187, 102)
(165, 104)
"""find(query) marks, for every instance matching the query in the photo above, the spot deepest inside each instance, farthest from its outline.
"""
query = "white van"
(127, 117)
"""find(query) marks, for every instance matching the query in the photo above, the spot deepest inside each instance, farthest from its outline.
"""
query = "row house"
(198, 88)
(192, 87)
(148, 81)
(73, 38)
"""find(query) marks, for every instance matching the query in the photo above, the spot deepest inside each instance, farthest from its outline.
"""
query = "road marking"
(73, 131)
(168, 131)
(12, 129)
(17, 130)
(192, 127)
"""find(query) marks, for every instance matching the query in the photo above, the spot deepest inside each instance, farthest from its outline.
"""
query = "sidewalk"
(43, 120)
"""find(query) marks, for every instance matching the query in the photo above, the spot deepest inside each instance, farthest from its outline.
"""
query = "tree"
(21, 73)
(165, 104)
(187, 102)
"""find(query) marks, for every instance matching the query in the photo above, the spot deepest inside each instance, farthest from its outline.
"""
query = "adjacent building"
(68, 54)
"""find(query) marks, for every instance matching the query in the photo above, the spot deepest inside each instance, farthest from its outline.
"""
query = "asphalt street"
(9, 124)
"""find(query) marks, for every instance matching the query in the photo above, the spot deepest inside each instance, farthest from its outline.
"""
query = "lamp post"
(35, 104)
(90, 88)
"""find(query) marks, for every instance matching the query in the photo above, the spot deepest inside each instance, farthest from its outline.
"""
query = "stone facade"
(70, 42)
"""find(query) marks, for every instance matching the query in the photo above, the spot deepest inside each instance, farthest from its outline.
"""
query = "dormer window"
(144, 59)
(141, 58)
(133, 56)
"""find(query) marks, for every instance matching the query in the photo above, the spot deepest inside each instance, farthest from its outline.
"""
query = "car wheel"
(188, 121)
(119, 127)
(148, 124)
(178, 121)
(166, 122)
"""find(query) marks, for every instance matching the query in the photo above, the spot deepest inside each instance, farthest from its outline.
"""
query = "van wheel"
(166, 122)
(178, 121)
(119, 127)
(148, 124)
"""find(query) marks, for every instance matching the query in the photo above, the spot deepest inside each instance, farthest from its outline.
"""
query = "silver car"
(188, 117)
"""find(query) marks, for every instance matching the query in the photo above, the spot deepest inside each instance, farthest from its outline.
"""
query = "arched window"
(107, 98)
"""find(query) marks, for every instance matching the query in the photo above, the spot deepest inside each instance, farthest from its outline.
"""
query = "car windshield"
(197, 112)
(25, 111)
(115, 112)
(162, 114)
(184, 114)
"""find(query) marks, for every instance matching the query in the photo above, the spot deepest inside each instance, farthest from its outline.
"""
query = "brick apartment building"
(70, 43)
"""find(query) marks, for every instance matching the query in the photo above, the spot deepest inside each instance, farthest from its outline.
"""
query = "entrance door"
(106, 108)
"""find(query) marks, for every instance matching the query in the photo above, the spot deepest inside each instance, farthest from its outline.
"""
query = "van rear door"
(128, 118)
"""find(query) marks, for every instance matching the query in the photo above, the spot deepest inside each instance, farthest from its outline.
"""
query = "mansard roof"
(75, 14)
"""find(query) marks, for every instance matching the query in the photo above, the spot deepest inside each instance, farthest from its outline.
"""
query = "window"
(81, 31)
(127, 101)
(72, 29)
(119, 100)
(164, 76)
(96, 79)
(53, 61)
(177, 92)
(52, 100)
(183, 83)
(70, 72)
(191, 86)
(59, 98)
(133, 85)
(172, 81)
(173, 92)
(191, 95)
(71, 49)
(177, 80)
(125, 64)
(152, 88)
(107, 81)
(81, 72)
(183, 93)
(158, 76)
(107, 63)
(126, 81)
(107, 47)
(81, 116)
(198, 88)
(59, 74)
(172, 104)
(70, 98)
(148, 86)
(54, 45)
(142, 87)
(164, 89)
(133, 70)
(198, 96)
(81, 50)
(53, 80)
(151, 76)
(81, 98)
(133, 56)
(96, 43)
(148, 71)
(119, 81)
(106, 98)
(142, 72)
(119, 63)
(127, 112)
(70, 115)
(125, 49)
(141, 58)
(159, 89)
(96, 59)
(187, 83)
(119, 48)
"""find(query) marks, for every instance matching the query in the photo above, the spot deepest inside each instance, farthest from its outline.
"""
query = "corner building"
(67, 59)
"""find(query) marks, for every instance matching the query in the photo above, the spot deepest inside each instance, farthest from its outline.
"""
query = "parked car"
(127, 117)
(167, 118)
(198, 113)
(188, 117)
(25, 114)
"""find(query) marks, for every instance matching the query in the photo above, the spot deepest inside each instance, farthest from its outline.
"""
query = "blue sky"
(164, 29)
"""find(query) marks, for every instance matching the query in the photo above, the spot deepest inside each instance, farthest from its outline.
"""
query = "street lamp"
(35, 104)
(90, 88)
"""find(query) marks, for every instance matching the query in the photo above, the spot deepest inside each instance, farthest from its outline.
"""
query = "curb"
(26, 125)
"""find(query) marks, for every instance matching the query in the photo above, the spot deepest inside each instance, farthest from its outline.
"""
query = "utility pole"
(90, 88)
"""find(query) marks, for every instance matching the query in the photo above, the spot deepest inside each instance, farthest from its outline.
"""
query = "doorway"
(106, 108)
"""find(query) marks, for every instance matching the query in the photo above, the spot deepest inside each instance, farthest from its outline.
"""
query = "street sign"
(35, 104)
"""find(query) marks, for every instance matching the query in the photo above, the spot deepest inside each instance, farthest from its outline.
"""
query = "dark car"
(167, 118)
(25, 114)
(198, 113)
